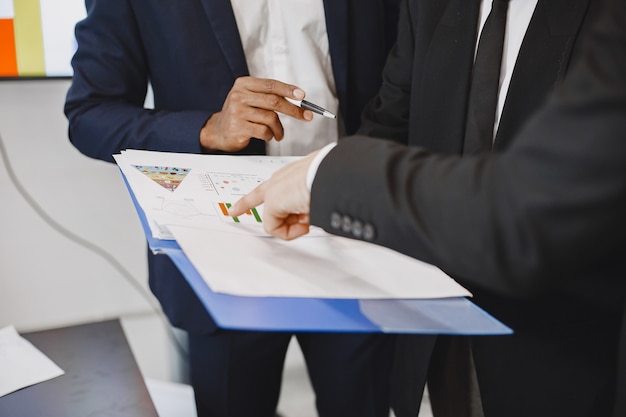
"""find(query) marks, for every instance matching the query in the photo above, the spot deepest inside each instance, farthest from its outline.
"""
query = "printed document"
(185, 197)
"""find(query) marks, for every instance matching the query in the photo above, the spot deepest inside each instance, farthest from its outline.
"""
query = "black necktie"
(483, 99)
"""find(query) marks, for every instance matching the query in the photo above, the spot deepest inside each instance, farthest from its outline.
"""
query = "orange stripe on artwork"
(8, 55)
(224, 209)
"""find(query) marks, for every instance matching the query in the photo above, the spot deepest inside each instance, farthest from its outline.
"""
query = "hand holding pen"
(250, 111)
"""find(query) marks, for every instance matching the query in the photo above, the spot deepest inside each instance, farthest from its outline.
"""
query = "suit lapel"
(224, 25)
(542, 62)
(222, 20)
(440, 118)
(336, 12)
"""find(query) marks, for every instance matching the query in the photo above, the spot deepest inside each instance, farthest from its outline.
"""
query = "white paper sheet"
(21, 363)
(318, 267)
(184, 196)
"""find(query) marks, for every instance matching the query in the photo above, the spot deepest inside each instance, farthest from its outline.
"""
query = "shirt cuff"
(315, 163)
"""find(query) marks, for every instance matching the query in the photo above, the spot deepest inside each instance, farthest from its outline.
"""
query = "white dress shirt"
(287, 40)
(518, 18)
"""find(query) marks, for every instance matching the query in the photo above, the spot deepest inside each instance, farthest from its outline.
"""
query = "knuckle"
(271, 118)
(270, 85)
(240, 80)
(236, 95)
(265, 133)
(273, 100)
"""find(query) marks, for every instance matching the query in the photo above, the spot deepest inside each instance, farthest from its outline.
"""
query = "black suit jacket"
(540, 228)
(427, 77)
(423, 102)
(191, 53)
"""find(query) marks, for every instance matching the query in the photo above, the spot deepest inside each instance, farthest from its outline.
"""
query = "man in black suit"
(539, 226)
(202, 59)
(424, 101)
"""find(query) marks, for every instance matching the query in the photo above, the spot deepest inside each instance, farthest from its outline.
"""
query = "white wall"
(49, 280)
(46, 278)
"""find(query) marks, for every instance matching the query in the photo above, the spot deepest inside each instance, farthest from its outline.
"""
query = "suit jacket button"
(357, 229)
(346, 224)
(369, 232)
(335, 220)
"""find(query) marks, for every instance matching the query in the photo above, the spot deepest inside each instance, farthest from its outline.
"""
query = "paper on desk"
(323, 266)
(21, 363)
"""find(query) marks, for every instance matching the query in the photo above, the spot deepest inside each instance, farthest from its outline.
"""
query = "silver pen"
(307, 105)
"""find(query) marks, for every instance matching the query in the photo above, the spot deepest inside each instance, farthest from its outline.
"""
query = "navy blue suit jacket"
(191, 54)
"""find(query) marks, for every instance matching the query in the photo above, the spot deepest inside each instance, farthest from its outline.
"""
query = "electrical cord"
(128, 277)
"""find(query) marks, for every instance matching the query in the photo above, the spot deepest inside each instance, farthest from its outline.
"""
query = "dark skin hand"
(250, 111)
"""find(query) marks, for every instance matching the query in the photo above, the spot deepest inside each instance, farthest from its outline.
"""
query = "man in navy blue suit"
(220, 71)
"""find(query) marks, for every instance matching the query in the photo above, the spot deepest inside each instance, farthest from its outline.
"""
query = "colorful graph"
(167, 177)
(251, 216)
(37, 37)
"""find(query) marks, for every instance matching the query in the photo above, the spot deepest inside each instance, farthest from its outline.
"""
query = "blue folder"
(456, 315)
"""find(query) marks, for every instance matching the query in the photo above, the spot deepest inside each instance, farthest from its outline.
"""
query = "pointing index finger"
(253, 199)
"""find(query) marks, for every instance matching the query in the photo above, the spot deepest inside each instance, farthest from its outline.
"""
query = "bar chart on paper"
(37, 37)
(235, 185)
(251, 216)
